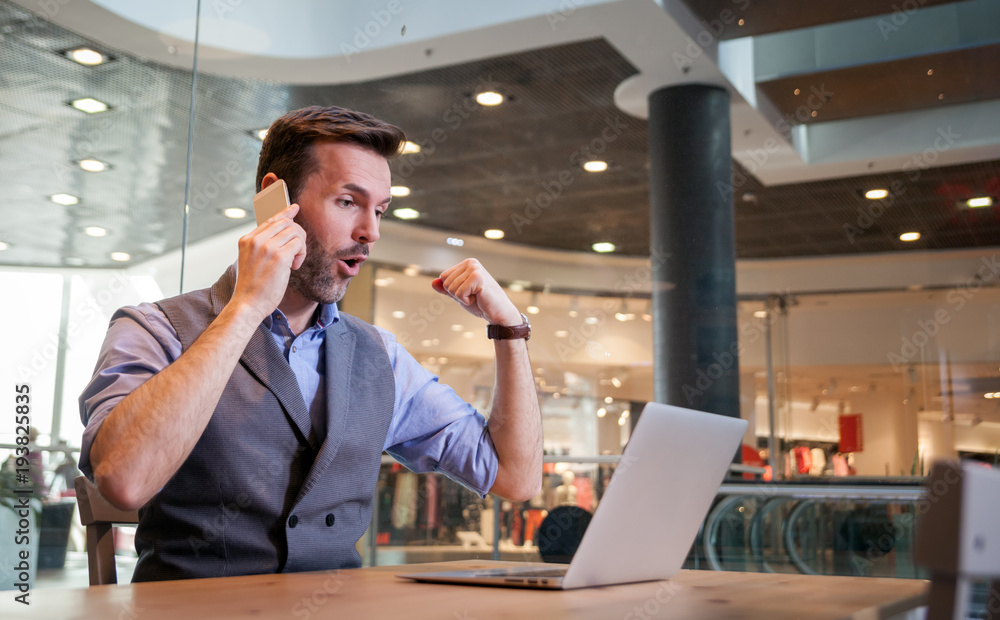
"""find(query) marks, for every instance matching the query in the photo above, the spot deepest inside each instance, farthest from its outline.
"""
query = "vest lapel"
(265, 361)
(340, 347)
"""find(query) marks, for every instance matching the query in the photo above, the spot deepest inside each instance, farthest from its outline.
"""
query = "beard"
(319, 279)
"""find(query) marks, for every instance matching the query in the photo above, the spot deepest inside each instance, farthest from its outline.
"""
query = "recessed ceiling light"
(457, 327)
(95, 231)
(930, 72)
(383, 282)
(86, 56)
(412, 270)
(235, 213)
(941, 97)
(797, 91)
(909, 236)
(603, 247)
(92, 165)
(602, 412)
(410, 148)
(562, 333)
(406, 214)
(742, 21)
(595, 166)
(121, 257)
(3, 246)
(66, 200)
(89, 105)
(261, 134)
(876, 194)
(976, 203)
(398, 314)
(399, 191)
(455, 241)
(760, 314)
(489, 98)
(493, 233)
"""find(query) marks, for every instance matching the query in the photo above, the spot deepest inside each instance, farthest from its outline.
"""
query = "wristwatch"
(504, 332)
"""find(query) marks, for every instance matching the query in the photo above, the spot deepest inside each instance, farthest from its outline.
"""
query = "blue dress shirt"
(432, 428)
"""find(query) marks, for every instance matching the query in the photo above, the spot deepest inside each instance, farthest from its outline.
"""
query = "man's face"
(339, 208)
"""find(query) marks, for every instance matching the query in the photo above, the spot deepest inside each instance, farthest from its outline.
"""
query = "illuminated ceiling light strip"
(3, 246)
(235, 213)
(494, 233)
(399, 191)
(982, 201)
(89, 105)
(603, 247)
(92, 165)
(66, 200)
(409, 148)
(909, 236)
(121, 257)
(489, 98)
(406, 213)
(876, 194)
(95, 231)
(595, 166)
(86, 56)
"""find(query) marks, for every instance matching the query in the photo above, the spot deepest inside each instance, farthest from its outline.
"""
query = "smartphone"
(270, 201)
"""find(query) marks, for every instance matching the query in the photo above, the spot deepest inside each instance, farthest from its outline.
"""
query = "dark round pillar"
(692, 246)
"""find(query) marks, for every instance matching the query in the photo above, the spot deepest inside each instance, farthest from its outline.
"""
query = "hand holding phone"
(270, 201)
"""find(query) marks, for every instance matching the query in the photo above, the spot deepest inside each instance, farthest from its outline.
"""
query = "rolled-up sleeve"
(433, 429)
(140, 343)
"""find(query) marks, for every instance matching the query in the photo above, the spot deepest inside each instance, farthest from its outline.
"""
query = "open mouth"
(351, 262)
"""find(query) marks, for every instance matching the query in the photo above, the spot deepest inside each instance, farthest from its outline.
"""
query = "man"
(247, 421)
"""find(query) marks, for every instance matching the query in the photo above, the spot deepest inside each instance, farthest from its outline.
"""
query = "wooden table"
(377, 593)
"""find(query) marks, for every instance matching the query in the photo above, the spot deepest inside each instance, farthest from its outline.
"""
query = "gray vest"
(259, 493)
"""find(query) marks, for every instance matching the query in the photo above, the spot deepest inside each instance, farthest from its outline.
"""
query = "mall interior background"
(838, 313)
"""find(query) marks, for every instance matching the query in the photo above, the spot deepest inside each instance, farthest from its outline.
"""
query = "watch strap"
(506, 332)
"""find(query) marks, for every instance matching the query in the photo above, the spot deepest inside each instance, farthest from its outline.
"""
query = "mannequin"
(566, 492)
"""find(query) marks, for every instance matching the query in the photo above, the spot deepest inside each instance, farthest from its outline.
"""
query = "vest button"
(329, 520)
(293, 521)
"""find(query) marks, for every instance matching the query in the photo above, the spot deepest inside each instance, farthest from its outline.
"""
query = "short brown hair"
(287, 150)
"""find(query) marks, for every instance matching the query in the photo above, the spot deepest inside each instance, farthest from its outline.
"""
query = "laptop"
(651, 512)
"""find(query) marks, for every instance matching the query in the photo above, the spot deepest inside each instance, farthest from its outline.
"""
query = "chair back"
(98, 516)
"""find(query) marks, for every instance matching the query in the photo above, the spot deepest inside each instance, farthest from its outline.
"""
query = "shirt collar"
(328, 315)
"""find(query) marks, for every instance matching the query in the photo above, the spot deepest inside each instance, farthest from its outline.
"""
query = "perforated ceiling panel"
(515, 166)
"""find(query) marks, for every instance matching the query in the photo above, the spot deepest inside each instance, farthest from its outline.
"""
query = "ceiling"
(515, 167)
